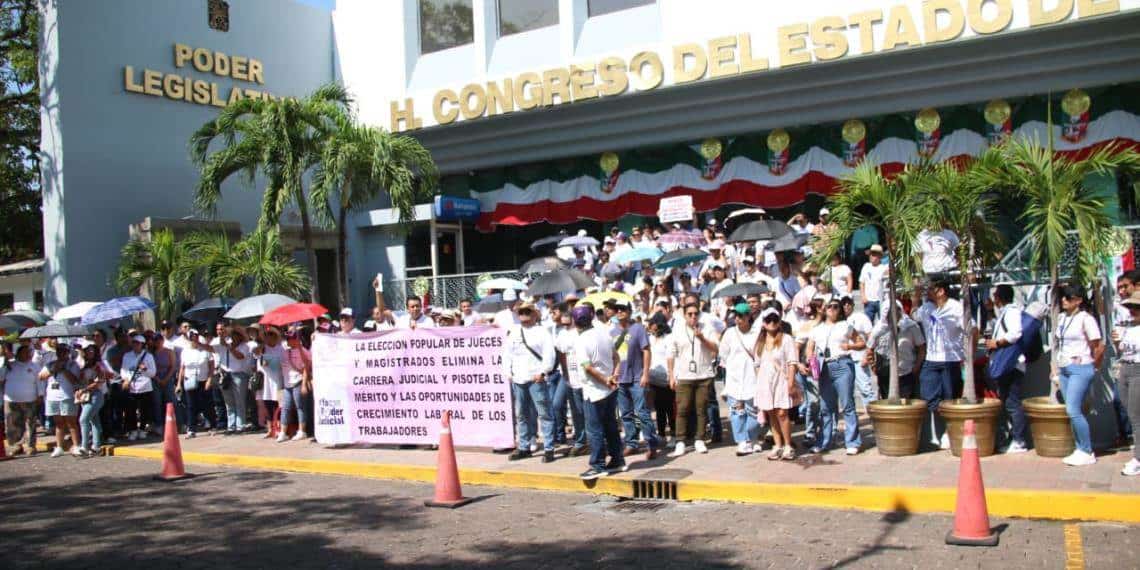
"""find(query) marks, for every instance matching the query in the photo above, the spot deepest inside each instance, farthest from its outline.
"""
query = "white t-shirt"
(21, 380)
(839, 275)
(1007, 327)
(594, 347)
(938, 250)
(269, 364)
(59, 387)
(828, 336)
(195, 367)
(564, 342)
(1074, 333)
(506, 318)
(404, 321)
(910, 338)
(1130, 344)
(943, 330)
(872, 277)
(294, 365)
(737, 352)
(863, 326)
(692, 360)
(230, 363)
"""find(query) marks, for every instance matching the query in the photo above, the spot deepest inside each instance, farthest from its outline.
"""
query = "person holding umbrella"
(137, 375)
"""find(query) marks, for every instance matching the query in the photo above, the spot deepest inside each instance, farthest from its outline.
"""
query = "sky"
(326, 4)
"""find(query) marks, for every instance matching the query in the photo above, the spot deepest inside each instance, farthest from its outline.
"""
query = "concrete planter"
(984, 414)
(1052, 433)
(898, 424)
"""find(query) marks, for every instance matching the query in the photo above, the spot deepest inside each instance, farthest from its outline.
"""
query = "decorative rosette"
(710, 151)
(854, 142)
(1076, 106)
(609, 163)
(928, 124)
(778, 142)
(999, 123)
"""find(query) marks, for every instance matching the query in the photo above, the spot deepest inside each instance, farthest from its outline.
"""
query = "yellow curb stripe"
(1036, 504)
(1074, 549)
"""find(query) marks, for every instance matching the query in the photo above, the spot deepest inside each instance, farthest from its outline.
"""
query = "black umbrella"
(742, 290)
(739, 217)
(560, 281)
(680, 258)
(492, 304)
(542, 265)
(55, 331)
(760, 230)
(551, 241)
(210, 309)
(789, 242)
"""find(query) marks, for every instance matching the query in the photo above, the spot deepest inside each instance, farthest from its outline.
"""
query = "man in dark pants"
(941, 320)
(1007, 333)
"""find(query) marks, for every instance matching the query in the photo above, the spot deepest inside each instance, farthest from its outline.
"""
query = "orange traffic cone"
(447, 490)
(971, 518)
(172, 468)
(3, 450)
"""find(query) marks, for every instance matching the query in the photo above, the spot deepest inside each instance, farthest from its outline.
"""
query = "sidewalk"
(1022, 485)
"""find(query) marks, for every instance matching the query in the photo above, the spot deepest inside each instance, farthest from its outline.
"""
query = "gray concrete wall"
(126, 153)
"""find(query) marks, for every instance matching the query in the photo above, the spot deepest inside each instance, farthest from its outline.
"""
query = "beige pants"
(20, 423)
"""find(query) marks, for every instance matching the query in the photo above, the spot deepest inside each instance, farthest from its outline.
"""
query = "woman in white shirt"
(62, 375)
(737, 355)
(807, 383)
(270, 354)
(776, 363)
(297, 369)
(832, 342)
(93, 379)
(197, 367)
(1127, 341)
(663, 396)
(1079, 355)
(21, 392)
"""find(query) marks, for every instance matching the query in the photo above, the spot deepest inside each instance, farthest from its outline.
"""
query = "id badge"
(692, 367)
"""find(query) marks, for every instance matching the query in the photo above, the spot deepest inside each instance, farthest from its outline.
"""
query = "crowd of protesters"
(636, 374)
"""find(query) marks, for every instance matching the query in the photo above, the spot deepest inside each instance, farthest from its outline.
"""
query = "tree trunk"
(893, 326)
(1054, 311)
(969, 388)
(310, 252)
(341, 255)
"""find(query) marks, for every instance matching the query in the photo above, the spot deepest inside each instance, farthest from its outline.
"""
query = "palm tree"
(357, 164)
(968, 208)
(159, 268)
(255, 265)
(279, 139)
(1058, 202)
(896, 206)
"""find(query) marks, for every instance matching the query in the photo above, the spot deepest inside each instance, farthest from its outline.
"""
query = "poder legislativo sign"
(393, 387)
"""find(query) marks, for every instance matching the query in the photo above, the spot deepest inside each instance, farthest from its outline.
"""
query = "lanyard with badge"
(1062, 328)
(692, 353)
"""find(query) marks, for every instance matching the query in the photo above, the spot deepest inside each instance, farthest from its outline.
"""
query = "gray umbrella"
(561, 281)
(742, 290)
(55, 331)
(760, 230)
(789, 242)
(257, 306)
(492, 304)
(542, 265)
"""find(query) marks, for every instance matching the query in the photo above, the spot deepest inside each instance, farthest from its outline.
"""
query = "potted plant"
(867, 197)
(1059, 204)
(967, 209)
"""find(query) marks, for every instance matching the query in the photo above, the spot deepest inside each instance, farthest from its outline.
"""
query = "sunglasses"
(836, 307)
(771, 320)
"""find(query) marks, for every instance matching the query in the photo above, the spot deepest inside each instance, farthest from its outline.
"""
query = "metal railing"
(444, 290)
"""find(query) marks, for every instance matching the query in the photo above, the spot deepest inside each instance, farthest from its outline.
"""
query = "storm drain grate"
(638, 506)
(655, 489)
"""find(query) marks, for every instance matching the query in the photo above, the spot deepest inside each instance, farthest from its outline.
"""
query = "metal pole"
(434, 256)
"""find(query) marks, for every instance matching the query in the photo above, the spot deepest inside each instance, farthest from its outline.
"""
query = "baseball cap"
(346, 312)
(620, 305)
(768, 313)
(607, 239)
(582, 315)
(741, 308)
(824, 211)
(138, 338)
(876, 249)
(716, 244)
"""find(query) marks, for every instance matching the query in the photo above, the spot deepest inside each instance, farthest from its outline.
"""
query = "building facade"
(566, 113)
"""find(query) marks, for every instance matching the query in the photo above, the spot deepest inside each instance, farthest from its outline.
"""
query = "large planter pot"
(898, 424)
(984, 414)
(1052, 433)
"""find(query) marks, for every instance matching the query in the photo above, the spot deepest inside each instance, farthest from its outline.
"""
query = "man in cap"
(449, 318)
(598, 362)
(570, 388)
(1007, 333)
(507, 317)
(632, 345)
(528, 356)
(691, 363)
(872, 281)
(941, 320)
(347, 321)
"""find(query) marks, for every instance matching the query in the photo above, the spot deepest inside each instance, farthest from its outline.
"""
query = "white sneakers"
(743, 448)
(678, 449)
(57, 452)
(1079, 458)
(757, 448)
(852, 451)
(282, 438)
(1132, 468)
(944, 443)
(77, 451)
(699, 445)
(299, 437)
(1015, 447)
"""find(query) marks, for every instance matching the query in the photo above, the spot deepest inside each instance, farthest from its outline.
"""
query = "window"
(522, 15)
(39, 299)
(445, 24)
(599, 7)
(7, 301)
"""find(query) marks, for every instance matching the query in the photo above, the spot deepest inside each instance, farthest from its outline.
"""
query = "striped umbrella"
(682, 239)
(118, 308)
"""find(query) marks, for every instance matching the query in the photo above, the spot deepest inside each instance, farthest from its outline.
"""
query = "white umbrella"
(257, 306)
(75, 311)
(502, 283)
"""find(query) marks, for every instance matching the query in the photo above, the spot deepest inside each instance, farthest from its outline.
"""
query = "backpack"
(1030, 343)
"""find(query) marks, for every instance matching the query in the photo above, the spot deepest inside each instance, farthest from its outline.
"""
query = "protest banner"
(675, 209)
(393, 387)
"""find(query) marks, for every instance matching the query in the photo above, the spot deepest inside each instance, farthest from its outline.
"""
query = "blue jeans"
(292, 399)
(557, 390)
(742, 418)
(1123, 422)
(165, 395)
(1009, 389)
(528, 395)
(936, 383)
(866, 383)
(234, 398)
(714, 410)
(871, 309)
(1075, 382)
(837, 390)
(90, 428)
(578, 413)
(631, 402)
(602, 429)
(809, 408)
(194, 399)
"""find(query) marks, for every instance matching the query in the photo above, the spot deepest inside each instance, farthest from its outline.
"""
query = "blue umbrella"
(680, 258)
(637, 254)
(118, 308)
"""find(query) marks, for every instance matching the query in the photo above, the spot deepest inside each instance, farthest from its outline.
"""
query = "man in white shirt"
(235, 360)
(691, 364)
(507, 317)
(872, 280)
(528, 356)
(1006, 336)
(937, 250)
(467, 314)
(598, 362)
(941, 320)
(912, 350)
(865, 386)
(415, 317)
(840, 277)
(347, 321)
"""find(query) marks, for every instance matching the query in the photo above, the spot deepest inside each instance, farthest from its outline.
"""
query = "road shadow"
(891, 521)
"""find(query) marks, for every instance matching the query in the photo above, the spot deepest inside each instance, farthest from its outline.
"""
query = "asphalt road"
(109, 513)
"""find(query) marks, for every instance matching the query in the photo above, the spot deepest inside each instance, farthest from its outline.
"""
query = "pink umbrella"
(683, 238)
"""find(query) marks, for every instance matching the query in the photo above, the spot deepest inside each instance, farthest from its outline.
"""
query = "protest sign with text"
(393, 386)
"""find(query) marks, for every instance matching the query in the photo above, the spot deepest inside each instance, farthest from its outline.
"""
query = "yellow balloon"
(854, 131)
(1076, 102)
(711, 148)
(997, 112)
(778, 140)
(609, 162)
(927, 121)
